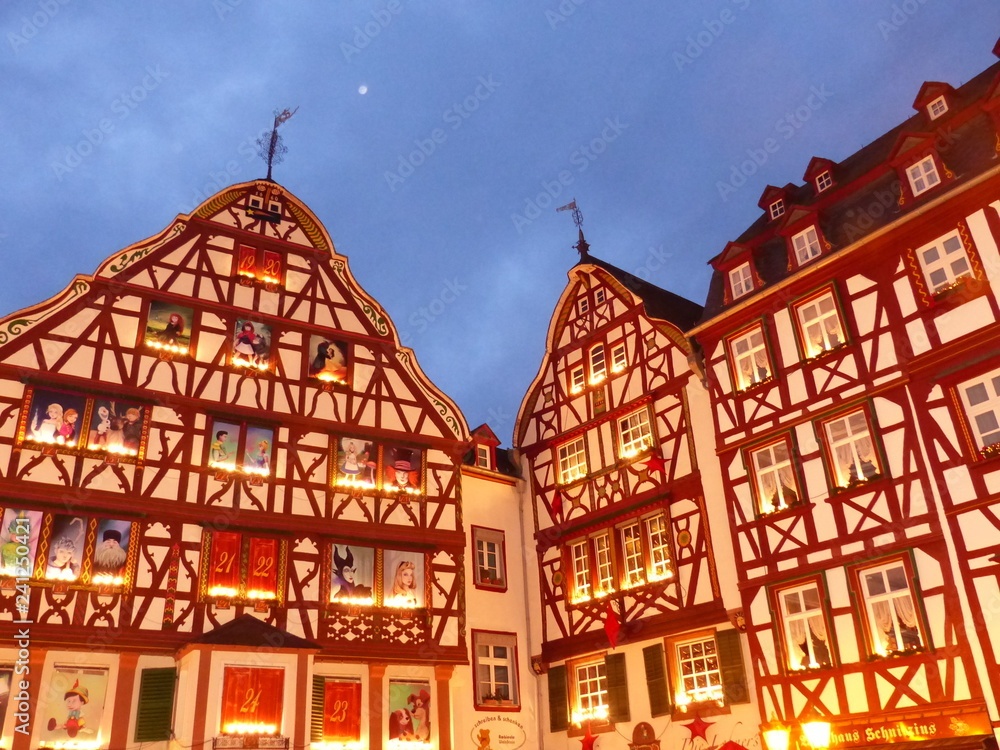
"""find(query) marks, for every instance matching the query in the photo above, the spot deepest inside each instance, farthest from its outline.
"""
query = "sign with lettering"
(501, 732)
(931, 727)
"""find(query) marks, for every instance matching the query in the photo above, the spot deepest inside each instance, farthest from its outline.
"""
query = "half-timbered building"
(231, 506)
(851, 349)
(636, 622)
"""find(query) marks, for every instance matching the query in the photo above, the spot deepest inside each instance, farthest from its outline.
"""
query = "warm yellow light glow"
(402, 602)
(225, 466)
(617, 368)
(576, 389)
(405, 490)
(106, 579)
(72, 744)
(354, 601)
(634, 450)
(351, 482)
(237, 362)
(571, 475)
(598, 713)
(256, 471)
(119, 450)
(53, 440)
(65, 574)
(222, 591)
(595, 379)
(330, 377)
(699, 695)
(661, 575)
(250, 728)
(817, 733)
(255, 594)
(776, 737)
(173, 348)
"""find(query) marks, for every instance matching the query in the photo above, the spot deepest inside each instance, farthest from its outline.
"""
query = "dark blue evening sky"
(436, 180)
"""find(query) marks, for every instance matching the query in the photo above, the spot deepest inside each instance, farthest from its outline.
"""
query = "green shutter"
(316, 718)
(558, 700)
(656, 680)
(734, 679)
(614, 667)
(156, 705)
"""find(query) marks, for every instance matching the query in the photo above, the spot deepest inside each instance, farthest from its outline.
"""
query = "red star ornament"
(588, 739)
(699, 727)
(655, 463)
(557, 506)
(612, 625)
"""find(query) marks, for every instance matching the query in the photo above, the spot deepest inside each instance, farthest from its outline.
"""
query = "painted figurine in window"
(404, 587)
(401, 473)
(8, 551)
(401, 725)
(243, 346)
(330, 362)
(172, 331)
(132, 429)
(219, 452)
(261, 460)
(76, 698)
(116, 435)
(47, 429)
(345, 576)
(109, 556)
(61, 563)
(420, 705)
(351, 464)
(99, 434)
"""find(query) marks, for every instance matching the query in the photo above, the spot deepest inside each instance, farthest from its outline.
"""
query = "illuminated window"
(495, 665)
(852, 449)
(259, 264)
(777, 208)
(239, 566)
(700, 676)
(981, 400)
(240, 447)
(618, 358)
(582, 586)
(336, 711)
(741, 280)
(572, 461)
(749, 357)
(824, 181)
(923, 175)
(591, 681)
(806, 245)
(774, 478)
(807, 644)
(577, 380)
(634, 435)
(490, 568)
(252, 700)
(598, 365)
(605, 566)
(937, 107)
(635, 565)
(944, 262)
(659, 548)
(820, 324)
(890, 608)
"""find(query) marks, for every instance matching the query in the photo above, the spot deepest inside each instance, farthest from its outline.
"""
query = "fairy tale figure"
(401, 725)
(172, 331)
(76, 698)
(345, 576)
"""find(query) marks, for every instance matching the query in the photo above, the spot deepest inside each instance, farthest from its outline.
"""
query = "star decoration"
(588, 739)
(699, 727)
(655, 463)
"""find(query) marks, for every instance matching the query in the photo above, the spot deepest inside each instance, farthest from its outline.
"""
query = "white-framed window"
(923, 175)
(634, 435)
(937, 107)
(598, 364)
(659, 548)
(618, 358)
(741, 280)
(749, 357)
(820, 324)
(807, 644)
(774, 477)
(580, 556)
(490, 563)
(496, 666)
(591, 691)
(582, 305)
(605, 564)
(600, 296)
(483, 456)
(981, 400)
(699, 672)
(572, 461)
(823, 181)
(806, 245)
(944, 261)
(777, 208)
(577, 379)
(852, 449)
(890, 608)
(634, 573)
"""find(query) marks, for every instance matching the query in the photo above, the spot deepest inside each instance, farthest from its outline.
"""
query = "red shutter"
(252, 700)
(342, 711)
(272, 268)
(248, 261)
(225, 562)
(262, 570)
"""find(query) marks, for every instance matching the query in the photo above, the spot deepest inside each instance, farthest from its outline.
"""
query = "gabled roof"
(817, 165)
(247, 630)
(659, 303)
(772, 193)
(483, 434)
(930, 91)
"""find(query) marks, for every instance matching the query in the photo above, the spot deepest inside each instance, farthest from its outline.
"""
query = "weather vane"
(271, 148)
(581, 245)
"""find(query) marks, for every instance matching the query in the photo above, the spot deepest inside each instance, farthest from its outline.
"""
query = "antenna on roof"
(272, 150)
(582, 247)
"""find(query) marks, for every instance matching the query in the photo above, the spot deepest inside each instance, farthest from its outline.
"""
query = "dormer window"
(824, 181)
(923, 175)
(777, 208)
(937, 107)
(483, 457)
(741, 280)
(806, 245)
